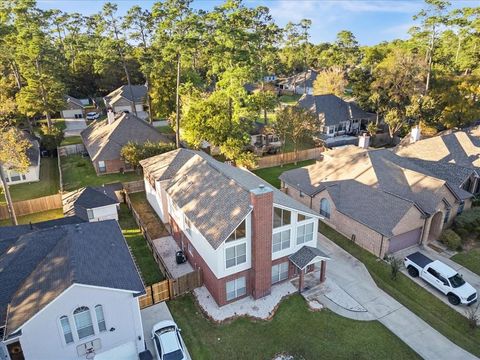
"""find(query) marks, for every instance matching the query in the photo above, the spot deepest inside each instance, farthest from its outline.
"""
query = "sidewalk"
(352, 276)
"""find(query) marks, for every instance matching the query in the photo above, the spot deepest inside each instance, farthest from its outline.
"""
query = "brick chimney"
(262, 224)
(364, 141)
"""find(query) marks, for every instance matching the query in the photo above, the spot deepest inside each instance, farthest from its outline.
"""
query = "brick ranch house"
(242, 234)
(380, 200)
(104, 140)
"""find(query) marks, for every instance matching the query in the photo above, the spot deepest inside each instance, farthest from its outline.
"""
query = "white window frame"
(86, 309)
(239, 288)
(90, 214)
(102, 168)
(99, 321)
(235, 232)
(283, 241)
(282, 224)
(279, 272)
(62, 330)
(238, 259)
(323, 212)
(304, 236)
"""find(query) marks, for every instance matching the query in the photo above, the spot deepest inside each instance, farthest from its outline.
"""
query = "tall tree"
(13, 156)
(330, 81)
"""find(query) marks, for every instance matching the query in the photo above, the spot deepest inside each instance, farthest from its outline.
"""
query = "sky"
(371, 21)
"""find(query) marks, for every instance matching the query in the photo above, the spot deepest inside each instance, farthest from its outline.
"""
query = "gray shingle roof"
(88, 198)
(299, 79)
(104, 141)
(44, 263)
(139, 93)
(305, 254)
(74, 101)
(214, 196)
(334, 109)
(385, 184)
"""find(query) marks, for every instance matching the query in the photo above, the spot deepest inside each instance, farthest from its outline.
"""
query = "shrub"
(468, 223)
(451, 239)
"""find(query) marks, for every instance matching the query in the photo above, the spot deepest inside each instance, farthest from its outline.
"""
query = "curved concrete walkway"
(352, 276)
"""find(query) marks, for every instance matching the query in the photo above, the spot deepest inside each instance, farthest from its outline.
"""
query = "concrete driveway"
(469, 276)
(152, 315)
(352, 276)
(74, 127)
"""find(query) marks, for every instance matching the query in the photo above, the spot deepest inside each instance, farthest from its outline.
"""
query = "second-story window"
(281, 241)
(235, 255)
(304, 233)
(239, 233)
(281, 217)
(83, 322)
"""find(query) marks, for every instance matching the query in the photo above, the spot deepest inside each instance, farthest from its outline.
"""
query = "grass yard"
(151, 274)
(440, 316)
(78, 172)
(48, 184)
(167, 129)
(470, 259)
(271, 174)
(35, 217)
(294, 330)
(150, 219)
(60, 123)
(305, 144)
(289, 99)
(71, 140)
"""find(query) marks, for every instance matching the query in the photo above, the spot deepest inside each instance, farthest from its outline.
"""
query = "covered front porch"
(306, 260)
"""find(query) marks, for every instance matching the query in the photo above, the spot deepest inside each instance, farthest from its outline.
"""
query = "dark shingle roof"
(88, 198)
(44, 263)
(104, 141)
(334, 109)
(214, 196)
(305, 254)
(139, 93)
(298, 80)
(75, 101)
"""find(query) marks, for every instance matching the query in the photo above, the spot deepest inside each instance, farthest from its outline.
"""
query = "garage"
(404, 240)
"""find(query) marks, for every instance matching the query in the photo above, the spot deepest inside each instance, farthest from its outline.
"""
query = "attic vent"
(261, 186)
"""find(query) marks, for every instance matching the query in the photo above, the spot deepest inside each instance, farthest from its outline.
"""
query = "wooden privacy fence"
(74, 149)
(26, 207)
(170, 288)
(286, 158)
(134, 186)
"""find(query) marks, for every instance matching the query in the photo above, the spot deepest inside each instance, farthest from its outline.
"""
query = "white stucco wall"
(108, 212)
(32, 175)
(42, 337)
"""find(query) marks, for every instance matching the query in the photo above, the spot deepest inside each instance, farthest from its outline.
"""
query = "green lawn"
(78, 172)
(289, 99)
(35, 217)
(167, 129)
(304, 144)
(60, 123)
(294, 330)
(148, 267)
(71, 140)
(469, 259)
(271, 174)
(440, 316)
(48, 184)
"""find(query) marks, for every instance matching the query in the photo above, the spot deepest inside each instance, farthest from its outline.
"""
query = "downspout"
(311, 202)
(381, 247)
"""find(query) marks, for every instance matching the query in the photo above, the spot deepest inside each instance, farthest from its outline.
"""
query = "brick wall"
(262, 225)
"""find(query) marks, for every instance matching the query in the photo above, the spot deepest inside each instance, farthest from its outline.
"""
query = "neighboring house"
(270, 78)
(242, 234)
(69, 291)
(104, 140)
(92, 203)
(263, 141)
(33, 172)
(336, 116)
(75, 109)
(127, 98)
(301, 83)
(380, 200)
(457, 149)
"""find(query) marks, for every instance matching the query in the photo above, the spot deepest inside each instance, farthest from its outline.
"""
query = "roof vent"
(261, 186)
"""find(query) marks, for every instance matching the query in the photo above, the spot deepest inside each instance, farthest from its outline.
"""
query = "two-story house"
(243, 234)
(69, 291)
(127, 98)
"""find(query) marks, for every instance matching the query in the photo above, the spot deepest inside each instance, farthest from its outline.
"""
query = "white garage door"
(404, 240)
(126, 351)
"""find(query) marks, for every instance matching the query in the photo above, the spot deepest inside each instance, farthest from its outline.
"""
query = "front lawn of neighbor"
(432, 310)
(78, 172)
(166, 129)
(289, 99)
(470, 259)
(271, 174)
(294, 330)
(151, 273)
(71, 140)
(35, 217)
(48, 184)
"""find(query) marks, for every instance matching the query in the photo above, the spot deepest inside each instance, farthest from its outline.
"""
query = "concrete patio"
(167, 247)
(263, 308)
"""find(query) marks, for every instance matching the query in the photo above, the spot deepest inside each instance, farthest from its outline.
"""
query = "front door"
(15, 351)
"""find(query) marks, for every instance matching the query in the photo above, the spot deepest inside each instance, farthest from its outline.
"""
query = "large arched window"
(100, 318)
(67, 330)
(83, 322)
(325, 208)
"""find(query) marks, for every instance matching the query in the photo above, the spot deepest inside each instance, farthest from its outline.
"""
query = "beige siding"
(410, 221)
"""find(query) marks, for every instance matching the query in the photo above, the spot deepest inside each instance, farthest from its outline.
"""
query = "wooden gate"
(155, 293)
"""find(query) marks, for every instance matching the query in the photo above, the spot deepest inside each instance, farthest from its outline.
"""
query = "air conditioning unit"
(89, 347)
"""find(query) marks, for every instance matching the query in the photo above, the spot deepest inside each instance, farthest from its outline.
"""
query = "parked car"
(92, 116)
(442, 277)
(168, 342)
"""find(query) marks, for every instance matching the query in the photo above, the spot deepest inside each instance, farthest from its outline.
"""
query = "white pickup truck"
(442, 277)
